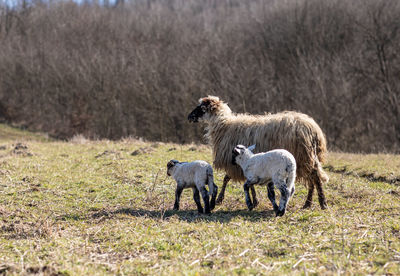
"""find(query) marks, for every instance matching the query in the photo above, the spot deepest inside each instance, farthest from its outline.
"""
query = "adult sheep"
(296, 132)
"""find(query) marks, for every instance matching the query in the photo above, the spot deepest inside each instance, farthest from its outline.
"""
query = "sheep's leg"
(222, 192)
(178, 193)
(318, 184)
(246, 188)
(308, 202)
(213, 197)
(271, 196)
(206, 199)
(196, 197)
(253, 195)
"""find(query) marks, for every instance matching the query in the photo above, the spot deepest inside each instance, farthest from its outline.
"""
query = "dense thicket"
(138, 68)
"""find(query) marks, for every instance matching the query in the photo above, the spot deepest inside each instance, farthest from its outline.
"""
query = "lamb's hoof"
(280, 213)
(255, 203)
(212, 205)
(307, 205)
(250, 207)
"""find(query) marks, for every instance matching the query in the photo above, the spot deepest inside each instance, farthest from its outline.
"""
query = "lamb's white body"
(195, 175)
(192, 174)
(275, 168)
(269, 166)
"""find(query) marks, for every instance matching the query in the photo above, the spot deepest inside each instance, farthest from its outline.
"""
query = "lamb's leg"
(292, 191)
(285, 193)
(222, 192)
(246, 188)
(206, 199)
(271, 196)
(178, 193)
(196, 197)
(308, 202)
(213, 197)
(253, 195)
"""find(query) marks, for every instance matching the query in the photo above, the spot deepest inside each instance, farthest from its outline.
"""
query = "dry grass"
(94, 208)
(377, 167)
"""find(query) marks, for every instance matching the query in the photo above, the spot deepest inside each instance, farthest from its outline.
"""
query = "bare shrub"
(136, 69)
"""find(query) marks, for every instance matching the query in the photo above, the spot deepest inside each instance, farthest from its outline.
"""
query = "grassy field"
(102, 207)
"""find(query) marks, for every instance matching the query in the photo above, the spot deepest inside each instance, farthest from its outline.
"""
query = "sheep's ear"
(252, 147)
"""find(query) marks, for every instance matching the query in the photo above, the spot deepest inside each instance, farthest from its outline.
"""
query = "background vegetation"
(102, 207)
(137, 68)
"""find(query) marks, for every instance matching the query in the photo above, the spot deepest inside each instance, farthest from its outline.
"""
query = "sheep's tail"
(320, 171)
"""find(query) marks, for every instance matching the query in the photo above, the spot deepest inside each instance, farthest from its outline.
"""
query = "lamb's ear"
(236, 151)
(172, 163)
(252, 147)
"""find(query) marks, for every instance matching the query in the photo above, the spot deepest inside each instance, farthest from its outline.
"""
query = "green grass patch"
(102, 207)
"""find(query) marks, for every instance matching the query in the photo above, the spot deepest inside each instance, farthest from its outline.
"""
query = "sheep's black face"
(197, 113)
(207, 108)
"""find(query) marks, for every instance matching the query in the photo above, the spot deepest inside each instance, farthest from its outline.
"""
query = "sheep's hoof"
(322, 203)
(219, 200)
(307, 205)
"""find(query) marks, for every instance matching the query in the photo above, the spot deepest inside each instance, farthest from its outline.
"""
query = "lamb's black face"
(197, 113)
(235, 152)
(170, 165)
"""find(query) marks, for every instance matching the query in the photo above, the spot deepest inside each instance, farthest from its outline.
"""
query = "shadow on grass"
(190, 216)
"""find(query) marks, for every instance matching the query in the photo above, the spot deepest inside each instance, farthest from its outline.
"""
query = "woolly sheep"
(275, 168)
(292, 131)
(194, 175)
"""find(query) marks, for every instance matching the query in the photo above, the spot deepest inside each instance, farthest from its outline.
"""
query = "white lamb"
(195, 175)
(275, 167)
